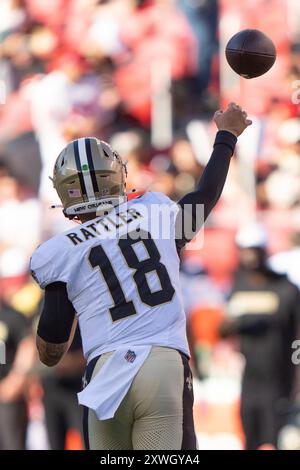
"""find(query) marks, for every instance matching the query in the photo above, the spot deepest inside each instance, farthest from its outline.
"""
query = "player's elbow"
(49, 353)
(48, 360)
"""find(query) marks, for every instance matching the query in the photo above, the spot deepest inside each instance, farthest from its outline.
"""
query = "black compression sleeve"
(210, 185)
(57, 316)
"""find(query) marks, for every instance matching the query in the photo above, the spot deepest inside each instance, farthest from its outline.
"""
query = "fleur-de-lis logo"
(189, 381)
(84, 382)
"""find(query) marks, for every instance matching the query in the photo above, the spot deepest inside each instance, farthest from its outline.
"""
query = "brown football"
(250, 53)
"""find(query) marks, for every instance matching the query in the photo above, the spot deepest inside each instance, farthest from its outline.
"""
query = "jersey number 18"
(124, 308)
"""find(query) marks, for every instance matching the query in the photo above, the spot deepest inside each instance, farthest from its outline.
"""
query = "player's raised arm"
(230, 123)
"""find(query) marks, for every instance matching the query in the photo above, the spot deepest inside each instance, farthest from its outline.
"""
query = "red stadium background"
(147, 76)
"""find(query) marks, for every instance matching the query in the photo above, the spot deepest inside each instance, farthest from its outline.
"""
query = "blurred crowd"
(146, 76)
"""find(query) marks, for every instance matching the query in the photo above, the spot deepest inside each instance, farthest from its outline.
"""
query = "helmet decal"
(75, 193)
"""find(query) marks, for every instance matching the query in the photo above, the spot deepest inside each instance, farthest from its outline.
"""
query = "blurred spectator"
(20, 213)
(203, 302)
(202, 16)
(263, 313)
(13, 16)
(155, 35)
(187, 168)
(78, 111)
(133, 145)
(15, 332)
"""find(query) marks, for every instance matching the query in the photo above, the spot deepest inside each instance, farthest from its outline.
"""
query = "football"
(250, 53)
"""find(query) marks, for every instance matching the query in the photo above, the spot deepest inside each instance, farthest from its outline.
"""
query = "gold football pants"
(157, 411)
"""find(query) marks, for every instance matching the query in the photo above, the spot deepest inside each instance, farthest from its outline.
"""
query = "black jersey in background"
(14, 327)
(265, 316)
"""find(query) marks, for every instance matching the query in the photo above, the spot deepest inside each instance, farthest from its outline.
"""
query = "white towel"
(107, 389)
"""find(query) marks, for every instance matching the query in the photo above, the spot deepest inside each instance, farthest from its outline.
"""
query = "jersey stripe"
(85, 172)
(91, 164)
(78, 166)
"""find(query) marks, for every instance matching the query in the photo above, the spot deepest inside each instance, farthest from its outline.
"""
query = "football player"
(118, 275)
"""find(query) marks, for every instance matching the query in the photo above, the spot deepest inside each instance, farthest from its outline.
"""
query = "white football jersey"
(122, 276)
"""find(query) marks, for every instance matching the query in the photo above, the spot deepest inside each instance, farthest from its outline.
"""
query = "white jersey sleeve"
(48, 263)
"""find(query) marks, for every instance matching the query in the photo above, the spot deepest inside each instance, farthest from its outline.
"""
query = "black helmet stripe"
(78, 166)
(91, 165)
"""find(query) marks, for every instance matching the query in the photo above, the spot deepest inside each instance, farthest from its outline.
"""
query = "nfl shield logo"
(130, 356)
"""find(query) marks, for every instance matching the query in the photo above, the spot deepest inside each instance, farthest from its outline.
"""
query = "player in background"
(263, 315)
(119, 278)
